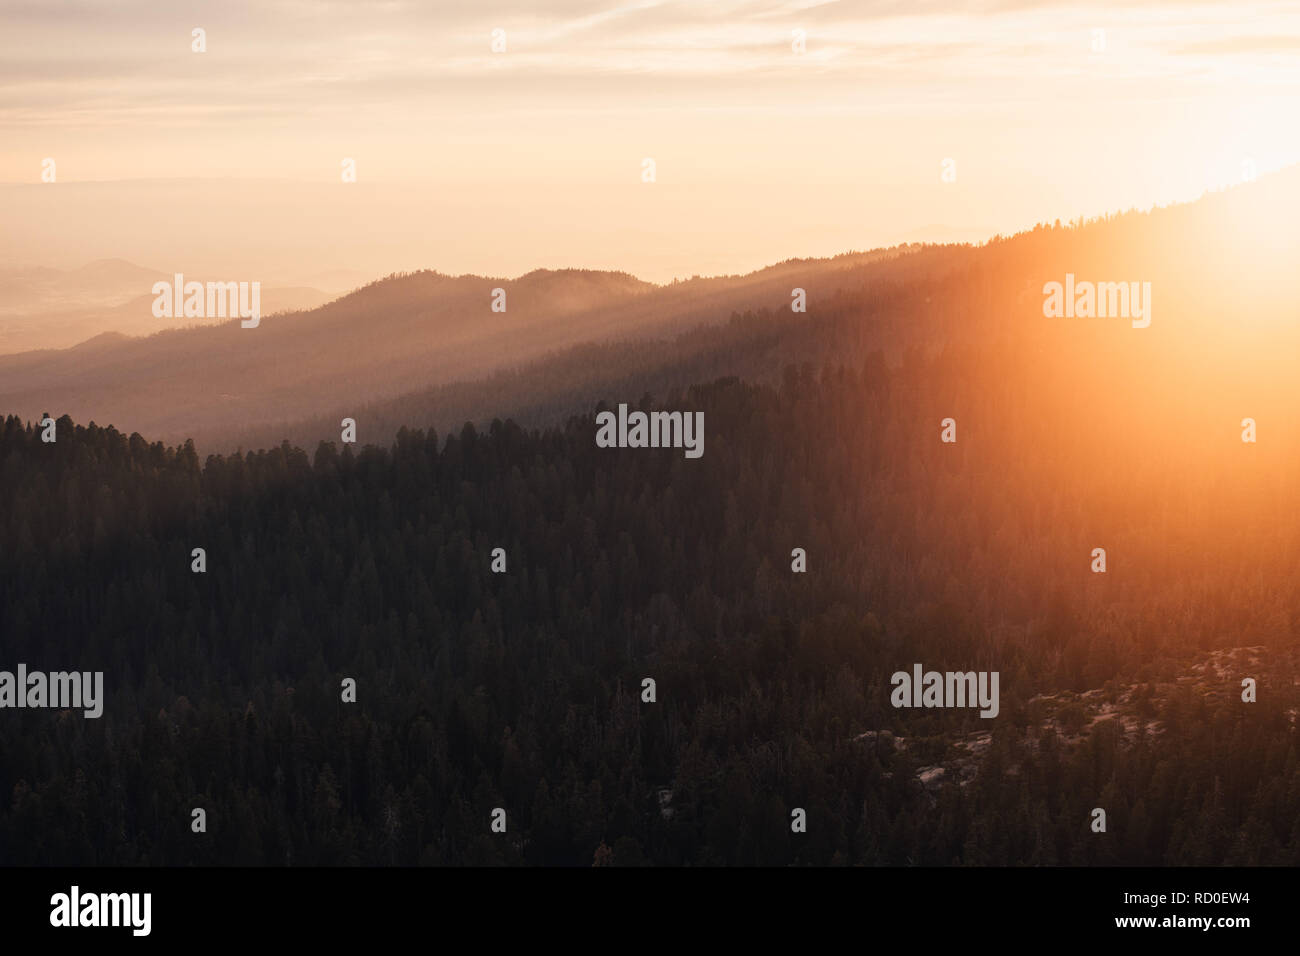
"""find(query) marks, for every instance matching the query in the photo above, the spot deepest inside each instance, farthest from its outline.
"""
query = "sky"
(228, 162)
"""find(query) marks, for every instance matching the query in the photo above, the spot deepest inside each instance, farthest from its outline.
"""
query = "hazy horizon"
(296, 271)
(499, 163)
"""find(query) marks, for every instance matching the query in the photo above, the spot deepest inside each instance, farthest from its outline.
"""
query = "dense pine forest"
(523, 690)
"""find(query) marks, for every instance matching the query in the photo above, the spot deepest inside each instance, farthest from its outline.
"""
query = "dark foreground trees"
(523, 690)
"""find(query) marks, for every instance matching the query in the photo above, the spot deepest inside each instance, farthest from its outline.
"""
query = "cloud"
(1244, 46)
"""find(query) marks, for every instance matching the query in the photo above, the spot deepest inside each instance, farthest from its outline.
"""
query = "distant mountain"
(390, 337)
(1223, 333)
(428, 350)
(42, 308)
(113, 273)
(33, 331)
(100, 283)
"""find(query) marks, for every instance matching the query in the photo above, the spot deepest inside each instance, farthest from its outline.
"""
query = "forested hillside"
(1223, 298)
(522, 690)
(404, 333)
